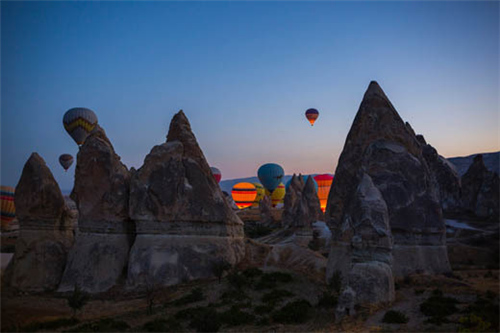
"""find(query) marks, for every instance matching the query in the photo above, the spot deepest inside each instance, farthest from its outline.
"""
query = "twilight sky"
(244, 73)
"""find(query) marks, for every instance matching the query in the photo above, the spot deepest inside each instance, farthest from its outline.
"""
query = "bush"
(77, 300)
(163, 325)
(328, 300)
(264, 321)
(263, 309)
(236, 317)
(50, 325)
(395, 317)
(196, 295)
(236, 295)
(419, 291)
(335, 282)
(296, 312)
(276, 296)
(438, 307)
(252, 273)
(237, 280)
(103, 325)
(206, 319)
(270, 280)
(188, 313)
(487, 310)
(219, 267)
(473, 323)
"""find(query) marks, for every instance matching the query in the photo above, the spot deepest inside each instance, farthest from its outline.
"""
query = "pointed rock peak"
(374, 90)
(99, 133)
(180, 130)
(478, 158)
(309, 186)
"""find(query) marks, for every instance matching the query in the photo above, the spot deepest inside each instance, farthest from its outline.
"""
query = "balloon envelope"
(278, 195)
(261, 192)
(324, 183)
(312, 115)
(270, 175)
(66, 160)
(217, 174)
(7, 207)
(305, 180)
(79, 122)
(244, 194)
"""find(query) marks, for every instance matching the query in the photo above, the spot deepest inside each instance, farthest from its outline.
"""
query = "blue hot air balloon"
(270, 175)
(287, 185)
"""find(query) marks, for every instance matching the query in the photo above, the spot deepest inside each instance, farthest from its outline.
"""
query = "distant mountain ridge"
(462, 163)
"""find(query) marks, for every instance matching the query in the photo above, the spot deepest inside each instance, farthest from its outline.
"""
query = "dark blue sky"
(244, 73)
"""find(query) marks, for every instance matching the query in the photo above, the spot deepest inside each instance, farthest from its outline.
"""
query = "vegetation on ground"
(271, 280)
(163, 325)
(103, 325)
(196, 295)
(77, 300)
(296, 312)
(438, 307)
(395, 317)
(50, 325)
(276, 296)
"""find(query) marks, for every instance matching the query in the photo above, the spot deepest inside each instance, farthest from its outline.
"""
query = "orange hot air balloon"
(312, 115)
(8, 210)
(324, 183)
(244, 194)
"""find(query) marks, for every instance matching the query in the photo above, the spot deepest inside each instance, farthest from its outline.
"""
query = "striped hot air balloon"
(261, 192)
(7, 207)
(278, 195)
(79, 122)
(270, 175)
(324, 183)
(312, 115)
(217, 174)
(244, 194)
(305, 180)
(66, 160)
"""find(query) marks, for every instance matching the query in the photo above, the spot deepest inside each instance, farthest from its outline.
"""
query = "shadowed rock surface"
(183, 222)
(266, 218)
(380, 145)
(301, 204)
(101, 193)
(46, 231)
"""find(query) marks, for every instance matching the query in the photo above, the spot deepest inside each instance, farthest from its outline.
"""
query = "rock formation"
(46, 231)
(480, 190)
(383, 179)
(302, 207)
(266, 218)
(183, 222)
(101, 192)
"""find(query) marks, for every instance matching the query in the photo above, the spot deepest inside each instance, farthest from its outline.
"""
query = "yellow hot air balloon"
(244, 194)
(278, 194)
(8, 210)
(261, 192)
(324, 184)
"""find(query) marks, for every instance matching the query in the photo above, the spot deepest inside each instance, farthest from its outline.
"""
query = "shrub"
(395, 317)
(296, 312)
(276, 296)
(473, 323)
(438, 307)
(196, 295)
(252, 272)
(50, 325)
(188, 313)
(328, 300)
(335, 282)
(263, 321)
(237, 280)
(103, 325)
(234, 317)
(219, 267)
(263, 309)
(270, 280)
(419, 291)
(77, 300)
(487, 310)
(235, 295)
(163, 325)
(206, 319)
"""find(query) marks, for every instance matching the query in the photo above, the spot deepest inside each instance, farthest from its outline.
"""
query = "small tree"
(219, 267)
(77, 300)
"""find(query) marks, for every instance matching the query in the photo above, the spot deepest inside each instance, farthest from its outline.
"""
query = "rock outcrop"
(266, 218)
(301, 204)
(101, 192)
(480, 190)
(183, 222)
(46, 230)
(382, 165)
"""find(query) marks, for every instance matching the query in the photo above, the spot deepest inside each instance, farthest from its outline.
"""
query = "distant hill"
(491, 160)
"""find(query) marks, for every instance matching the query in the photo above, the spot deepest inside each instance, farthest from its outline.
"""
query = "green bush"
(252, 272)
(438, 307)
(276, 296)
(328, 300)
(296, 312)
(103, 325)
(270, 280)
(235, 317)
(50, 325)
(237, 280)
(206, 319)
(163, 325)
(235, 295)
(473, 323)
(196, 295)
(395, 317)
(486, 309)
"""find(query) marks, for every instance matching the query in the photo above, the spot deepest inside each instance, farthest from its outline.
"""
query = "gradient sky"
(244, 73)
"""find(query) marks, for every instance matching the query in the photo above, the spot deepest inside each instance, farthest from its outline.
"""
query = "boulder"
(182, 219)
(46, 230)
(101, 192)
(382, 150)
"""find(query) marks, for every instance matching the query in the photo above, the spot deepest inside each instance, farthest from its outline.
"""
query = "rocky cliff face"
(183, 222)
(480, 190)
(301, 204)
(101, 193)
(382, 150)
(46, 231)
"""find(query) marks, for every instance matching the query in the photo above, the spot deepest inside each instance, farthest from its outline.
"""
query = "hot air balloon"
(66, 160)
(324, 183)
(7, 208)
(79, 122)
(261, 192)
(244, 194)
(278, 195)
(270, 175)
(305, 180)
(312, 115)
(217, 174)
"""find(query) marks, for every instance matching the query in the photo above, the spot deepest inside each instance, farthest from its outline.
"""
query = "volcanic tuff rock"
(101, 193)
(183, 222)
(46, 232)
(382, 148)
(301, 204)
(480, 190)
(266, 218)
